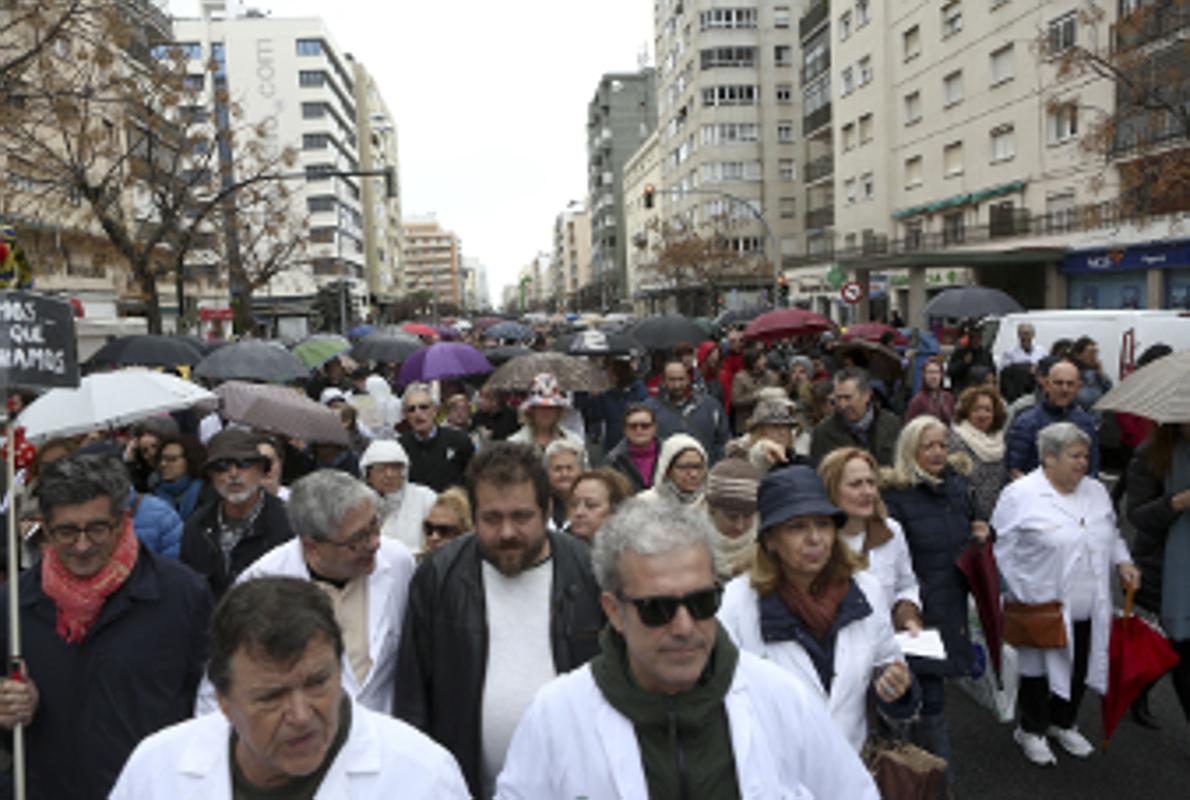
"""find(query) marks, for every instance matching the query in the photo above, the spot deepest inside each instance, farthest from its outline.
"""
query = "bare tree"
(1145, 56)
(27, 28)
(702, 259)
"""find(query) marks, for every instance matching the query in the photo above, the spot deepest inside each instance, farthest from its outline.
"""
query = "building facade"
(570, 268)
(642, 216)
(432, 260)
(381, 193)
(621, 115)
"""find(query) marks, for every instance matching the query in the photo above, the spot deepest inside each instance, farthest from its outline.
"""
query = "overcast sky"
(490, 101)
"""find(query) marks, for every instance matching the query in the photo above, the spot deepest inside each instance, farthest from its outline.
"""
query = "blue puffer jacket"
(1021, 439)
(156, 524)
(937, 524)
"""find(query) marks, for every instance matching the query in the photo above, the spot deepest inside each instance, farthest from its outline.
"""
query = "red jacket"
(732, 363)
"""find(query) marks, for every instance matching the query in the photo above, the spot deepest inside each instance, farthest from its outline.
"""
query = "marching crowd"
(695, 584)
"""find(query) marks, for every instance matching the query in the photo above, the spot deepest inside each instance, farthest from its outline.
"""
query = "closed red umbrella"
(978, 564)
(872, 331)
(1137, 656)
(786, 322)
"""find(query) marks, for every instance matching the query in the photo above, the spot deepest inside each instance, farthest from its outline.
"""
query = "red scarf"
(79, 600)
(816, 611)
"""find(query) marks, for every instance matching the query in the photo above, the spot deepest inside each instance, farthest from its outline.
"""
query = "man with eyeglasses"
(438, 454)
(670, 707)
(338, 546)
(244, 522)
(635, 457)
(494, 616)
(114, 637)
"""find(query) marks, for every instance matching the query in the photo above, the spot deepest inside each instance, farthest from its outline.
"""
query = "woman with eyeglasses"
(179, 474)
(449, 518)
(681, 473)
(805, 608)
(635, 457)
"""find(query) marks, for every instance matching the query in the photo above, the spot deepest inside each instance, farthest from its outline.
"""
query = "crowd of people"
(690, 585)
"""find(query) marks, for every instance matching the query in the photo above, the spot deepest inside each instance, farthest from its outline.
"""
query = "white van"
(1121, 335)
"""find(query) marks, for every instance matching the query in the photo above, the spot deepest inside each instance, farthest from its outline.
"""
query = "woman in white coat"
(849, 475)
(804, 609)
(1057, 540)
(681, 475)
(404, 506)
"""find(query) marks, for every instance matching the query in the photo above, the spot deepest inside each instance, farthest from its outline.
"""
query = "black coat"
(1148, 507)
(619, 460)
(442, 660)
(440, 462)
(937, 524)
(135, 673)
(202, 553)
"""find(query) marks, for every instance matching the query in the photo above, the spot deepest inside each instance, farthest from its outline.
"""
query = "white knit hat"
(383, 451)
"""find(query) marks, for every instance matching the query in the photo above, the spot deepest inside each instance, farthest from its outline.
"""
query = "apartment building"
(290, 76)
(570, 268)
(729, 108)
(432, 259)
(642, 220)
(381, 195)
(621, 115)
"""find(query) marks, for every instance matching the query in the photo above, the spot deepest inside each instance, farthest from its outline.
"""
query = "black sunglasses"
(224, 464)
(657, 611)
(445, 531)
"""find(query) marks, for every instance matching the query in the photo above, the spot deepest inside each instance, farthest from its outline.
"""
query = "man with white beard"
(404, 506)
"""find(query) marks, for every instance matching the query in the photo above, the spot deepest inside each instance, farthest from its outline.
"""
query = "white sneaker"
(1072, 741)
(1035, 747)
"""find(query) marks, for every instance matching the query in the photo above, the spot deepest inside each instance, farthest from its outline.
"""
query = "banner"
(37, 341)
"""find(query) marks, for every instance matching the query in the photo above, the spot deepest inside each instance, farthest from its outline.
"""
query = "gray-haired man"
(438, 455)
(670, 707)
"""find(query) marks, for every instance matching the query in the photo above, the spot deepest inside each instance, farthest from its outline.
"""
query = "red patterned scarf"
(816, 611)
(79, 600)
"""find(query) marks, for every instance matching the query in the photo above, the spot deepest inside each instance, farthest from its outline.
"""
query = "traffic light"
(783, 289)
(649, 192)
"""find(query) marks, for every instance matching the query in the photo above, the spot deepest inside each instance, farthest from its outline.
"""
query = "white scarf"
(987, 447)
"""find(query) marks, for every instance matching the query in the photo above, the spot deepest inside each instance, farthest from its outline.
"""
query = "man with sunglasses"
(338, 546)
(244, 522)
(494, 616)
(670, 707)
(438, 454)
(114, 638)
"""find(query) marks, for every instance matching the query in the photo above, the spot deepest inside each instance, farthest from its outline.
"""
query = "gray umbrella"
(252, 361)
(389, 348)
(573, 374)
(971, 301)
(280, 409)
(1159, 391)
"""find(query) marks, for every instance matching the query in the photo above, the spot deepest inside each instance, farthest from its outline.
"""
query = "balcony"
(816, 119)
(820, 217)
(814, 17)
(1149, 23)
(819, 168)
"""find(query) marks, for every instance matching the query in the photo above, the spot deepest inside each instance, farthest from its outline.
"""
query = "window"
(722, 18)
(315, 141)
(952, 19)
(785, 131)
(846, 82)
(913, 172)
(1003, 66)
(786, 170)
(190, 51)
(1060, 211)
(729, 132)
(952, 159)
(309, 47)
(311, 78)
(321, 203)
(865, 129)
(313, 110)
(739, 95)
(1062, 122)
(319, 172)
(783, 55)
(911, 43)
(952, 88)
(863, 13)
(844, 26)
(865, 70)
(322, 234)
(913, 235)
(913, 108)
(952, 228)
(848, 132)
(868, 183)
(728, 57)
(1063, 32)
(1003, 143)
(849, 190)
(781, 17)
(788, 207)
(784, 94)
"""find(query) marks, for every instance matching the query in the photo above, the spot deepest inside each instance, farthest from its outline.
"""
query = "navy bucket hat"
(795, 491)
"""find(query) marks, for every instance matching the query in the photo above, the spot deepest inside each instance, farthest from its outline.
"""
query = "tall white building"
(381, 191)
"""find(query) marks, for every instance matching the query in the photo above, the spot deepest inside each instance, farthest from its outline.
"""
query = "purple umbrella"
(447, 333)
(443, 360)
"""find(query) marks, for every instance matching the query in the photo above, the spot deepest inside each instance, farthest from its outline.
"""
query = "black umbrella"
(666, 333)
(386, 348)
(971, 301)
(145, 351)
(737, 316)
(596, 343)
(505, 353)
(252, 361)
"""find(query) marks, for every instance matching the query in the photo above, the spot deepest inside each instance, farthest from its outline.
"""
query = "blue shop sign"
(1162, 255)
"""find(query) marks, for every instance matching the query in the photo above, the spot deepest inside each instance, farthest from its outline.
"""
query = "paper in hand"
(927, 644)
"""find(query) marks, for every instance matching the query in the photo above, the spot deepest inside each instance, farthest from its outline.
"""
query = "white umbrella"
(108, 400)
(1159, 391)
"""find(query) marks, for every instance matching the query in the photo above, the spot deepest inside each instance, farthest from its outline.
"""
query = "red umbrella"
(1137, 656)
(418, 329)
(978, 564)
(872, 331)
(786, 322)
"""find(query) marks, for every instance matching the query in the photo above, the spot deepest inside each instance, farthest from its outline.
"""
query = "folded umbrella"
(280, 409)
(443, 360)
(253, 361)
(1137, 656)
(786, 322)
(978, 563)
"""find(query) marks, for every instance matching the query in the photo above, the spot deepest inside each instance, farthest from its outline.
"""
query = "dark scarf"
(816, 610)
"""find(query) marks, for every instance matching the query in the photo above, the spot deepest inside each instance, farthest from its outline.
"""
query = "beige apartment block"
(381, 198)
(643, 169)
(570, 269)
(729, 110)
(432, 259)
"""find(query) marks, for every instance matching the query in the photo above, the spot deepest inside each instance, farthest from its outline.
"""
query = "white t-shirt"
(520, 659)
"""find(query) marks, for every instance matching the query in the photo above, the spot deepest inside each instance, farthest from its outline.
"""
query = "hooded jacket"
(663, 488)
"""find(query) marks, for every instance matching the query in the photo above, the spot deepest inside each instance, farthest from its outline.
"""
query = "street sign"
(852, 292)
(37, 344)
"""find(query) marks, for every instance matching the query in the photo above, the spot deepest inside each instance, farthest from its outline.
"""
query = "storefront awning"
(960, 200)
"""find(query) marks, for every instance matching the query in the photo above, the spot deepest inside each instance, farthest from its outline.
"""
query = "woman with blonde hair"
(449, 518)
(850, 476)
(978, 433)
(935, 505)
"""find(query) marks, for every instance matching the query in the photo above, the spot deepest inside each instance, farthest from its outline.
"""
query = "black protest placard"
(37, 342)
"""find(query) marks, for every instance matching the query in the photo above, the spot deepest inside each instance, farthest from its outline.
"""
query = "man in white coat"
(670, 707)
(404, 505)
(287, 729)
(339, 548)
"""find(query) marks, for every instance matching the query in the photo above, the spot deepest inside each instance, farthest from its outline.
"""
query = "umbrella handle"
(1129, 596)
